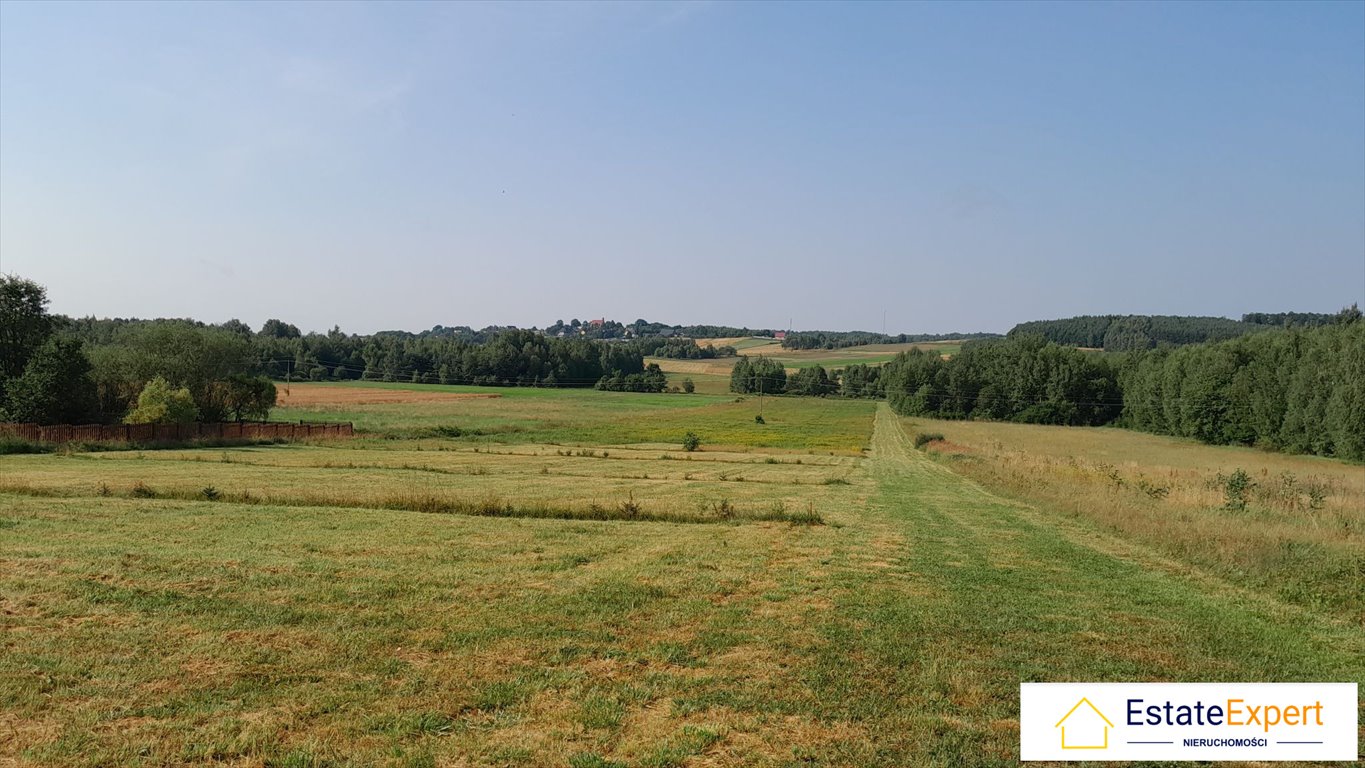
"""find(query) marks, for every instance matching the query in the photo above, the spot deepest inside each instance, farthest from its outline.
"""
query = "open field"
(590, 417)
(709, 375)
(299, 618)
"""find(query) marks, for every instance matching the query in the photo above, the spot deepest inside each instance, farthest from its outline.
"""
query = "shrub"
(210, 493)
(160, 404)
(691, 442)
(924, 438)
(723, 509)
(9, 445)
(688, 386)
(1236, 488)
(759, 419)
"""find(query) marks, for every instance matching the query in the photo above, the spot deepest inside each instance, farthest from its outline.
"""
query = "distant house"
(597, 323)
(666, 332)
(779, 335)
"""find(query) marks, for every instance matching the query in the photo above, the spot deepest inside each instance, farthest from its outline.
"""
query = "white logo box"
(1204, 721)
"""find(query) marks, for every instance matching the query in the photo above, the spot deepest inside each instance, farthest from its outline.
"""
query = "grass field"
(1300, 533)
(712, 376)
(311, 625)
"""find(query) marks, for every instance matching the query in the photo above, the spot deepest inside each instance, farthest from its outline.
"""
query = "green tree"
(688, 386)
(160, 403)
(24, 324)
(55, 387)
(246, 398)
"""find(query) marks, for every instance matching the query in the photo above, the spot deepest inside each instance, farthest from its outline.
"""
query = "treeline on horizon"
(1296, 385)
(1126, 333)
(841, 339)
(1299, 389)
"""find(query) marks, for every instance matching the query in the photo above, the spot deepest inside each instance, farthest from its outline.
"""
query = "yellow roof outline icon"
(1088, 703)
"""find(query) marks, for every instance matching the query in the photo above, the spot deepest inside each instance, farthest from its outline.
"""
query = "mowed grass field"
(295, 621)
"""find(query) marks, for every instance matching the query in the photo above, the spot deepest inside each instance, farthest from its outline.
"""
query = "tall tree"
(55, 387)
(24, 324)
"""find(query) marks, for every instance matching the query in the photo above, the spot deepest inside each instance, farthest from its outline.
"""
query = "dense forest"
(1300, 390)
(1026, 378)
(1126, 333)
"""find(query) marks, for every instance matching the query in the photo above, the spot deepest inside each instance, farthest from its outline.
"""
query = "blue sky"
(958, 166)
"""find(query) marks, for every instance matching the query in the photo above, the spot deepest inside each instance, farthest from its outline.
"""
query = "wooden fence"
(165, 433)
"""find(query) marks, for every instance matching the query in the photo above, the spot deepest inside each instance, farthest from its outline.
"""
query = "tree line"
(1299, 388)
(55, 369)
(1126, 333)
(840, 339)
(684, 349)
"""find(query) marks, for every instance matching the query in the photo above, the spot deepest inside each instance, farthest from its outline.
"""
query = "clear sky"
(958, 166)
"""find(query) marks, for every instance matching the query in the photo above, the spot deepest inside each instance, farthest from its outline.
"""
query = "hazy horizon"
(961, 168)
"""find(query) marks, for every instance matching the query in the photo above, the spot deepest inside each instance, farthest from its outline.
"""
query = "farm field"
(623, 602)
(712, 376)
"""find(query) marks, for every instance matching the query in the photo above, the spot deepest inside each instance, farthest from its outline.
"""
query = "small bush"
(1236, 488)
(210, 493)
(723, 509)
(688, 386)
(759, 419)
(924, 438)
(691, 442)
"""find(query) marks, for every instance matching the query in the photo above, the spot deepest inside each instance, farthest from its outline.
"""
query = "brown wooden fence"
(165, 433)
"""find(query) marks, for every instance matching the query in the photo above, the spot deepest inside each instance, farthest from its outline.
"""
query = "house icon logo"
(1089, 727)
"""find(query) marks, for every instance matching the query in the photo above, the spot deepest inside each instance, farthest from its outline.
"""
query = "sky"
(917, 167)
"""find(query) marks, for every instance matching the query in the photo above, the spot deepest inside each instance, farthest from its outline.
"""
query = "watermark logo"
(1091, 724)
(1188, 721)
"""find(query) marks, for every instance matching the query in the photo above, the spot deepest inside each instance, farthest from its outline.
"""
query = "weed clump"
(924, 438)
(691, 442)
(140, 490)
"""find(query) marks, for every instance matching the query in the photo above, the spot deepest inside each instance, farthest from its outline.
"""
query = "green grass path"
(954, 596)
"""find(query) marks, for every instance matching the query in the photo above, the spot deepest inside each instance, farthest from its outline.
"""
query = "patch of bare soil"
(305, 395)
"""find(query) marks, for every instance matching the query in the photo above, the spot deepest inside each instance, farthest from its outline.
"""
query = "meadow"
(546, 577)
(713, 376)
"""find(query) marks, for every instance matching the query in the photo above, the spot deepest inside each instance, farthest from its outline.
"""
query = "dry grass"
(164, 631)
(1301, 534)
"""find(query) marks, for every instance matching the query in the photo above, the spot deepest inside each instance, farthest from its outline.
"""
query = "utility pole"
(760, 396)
